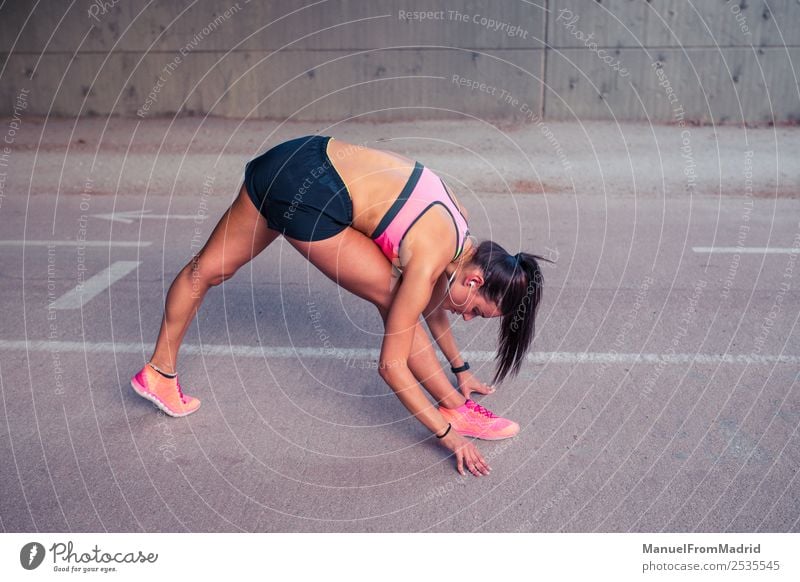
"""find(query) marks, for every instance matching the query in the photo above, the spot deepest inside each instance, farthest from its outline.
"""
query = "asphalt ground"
(661, 393)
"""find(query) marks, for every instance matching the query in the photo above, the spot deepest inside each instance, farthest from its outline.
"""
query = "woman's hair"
(514, 283)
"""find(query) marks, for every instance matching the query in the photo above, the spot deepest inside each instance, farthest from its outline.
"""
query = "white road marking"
(75, 243)
(129, 216)
(289, 352)
(83, 293)
(749, 250)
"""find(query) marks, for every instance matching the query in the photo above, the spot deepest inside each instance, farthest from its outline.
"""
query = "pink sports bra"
(421, 192)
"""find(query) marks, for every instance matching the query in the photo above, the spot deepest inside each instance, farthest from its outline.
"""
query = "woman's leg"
(355, 263)
(240, 235)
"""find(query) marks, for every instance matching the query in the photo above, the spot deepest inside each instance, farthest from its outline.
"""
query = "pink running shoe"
(166, 393)
(472, 419)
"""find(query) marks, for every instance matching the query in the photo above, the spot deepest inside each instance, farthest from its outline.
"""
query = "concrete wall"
(724, 61)
(718, 61)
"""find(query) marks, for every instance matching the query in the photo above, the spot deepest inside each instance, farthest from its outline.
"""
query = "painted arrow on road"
(129, 216)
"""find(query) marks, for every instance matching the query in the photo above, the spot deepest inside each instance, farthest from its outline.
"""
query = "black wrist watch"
(460, 369)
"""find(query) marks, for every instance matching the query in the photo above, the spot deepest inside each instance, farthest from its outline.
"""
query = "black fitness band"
(449, 426)
(460, 369)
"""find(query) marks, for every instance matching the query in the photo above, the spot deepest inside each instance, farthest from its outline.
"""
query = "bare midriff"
(374, 179)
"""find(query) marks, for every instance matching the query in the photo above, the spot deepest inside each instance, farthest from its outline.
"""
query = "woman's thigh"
(355, 263)
(241, 234)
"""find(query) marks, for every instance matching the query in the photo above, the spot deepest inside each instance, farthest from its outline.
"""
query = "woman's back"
(374, 179)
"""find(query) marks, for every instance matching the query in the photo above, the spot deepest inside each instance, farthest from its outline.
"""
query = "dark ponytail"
(514, 283)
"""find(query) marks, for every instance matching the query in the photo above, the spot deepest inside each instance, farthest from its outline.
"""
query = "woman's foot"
(472, 419)
(166, 393)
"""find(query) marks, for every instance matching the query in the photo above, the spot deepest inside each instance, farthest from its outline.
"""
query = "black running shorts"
(297, 189)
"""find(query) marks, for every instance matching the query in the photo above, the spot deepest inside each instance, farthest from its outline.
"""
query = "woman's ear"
(475, 280)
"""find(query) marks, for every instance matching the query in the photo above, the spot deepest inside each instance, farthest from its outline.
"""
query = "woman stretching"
(389, 230)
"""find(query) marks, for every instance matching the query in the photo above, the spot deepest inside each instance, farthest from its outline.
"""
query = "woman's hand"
(467, 454)
(467, 384)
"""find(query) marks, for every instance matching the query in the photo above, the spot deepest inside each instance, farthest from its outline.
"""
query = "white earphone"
(449, 281)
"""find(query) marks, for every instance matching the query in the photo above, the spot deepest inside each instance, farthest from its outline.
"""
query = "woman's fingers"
(469, 457)
(484, 389)
(479, 387)
(479, 463)
(460, 462)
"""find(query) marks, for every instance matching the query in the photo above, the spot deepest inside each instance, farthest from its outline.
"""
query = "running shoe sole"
(483, 437)
(141, 391)
(472, 433)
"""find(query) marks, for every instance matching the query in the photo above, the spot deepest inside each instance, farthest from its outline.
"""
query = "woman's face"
(465, 299)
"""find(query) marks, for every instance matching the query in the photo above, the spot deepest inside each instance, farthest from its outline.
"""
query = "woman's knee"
(208, 273)
(382, 299)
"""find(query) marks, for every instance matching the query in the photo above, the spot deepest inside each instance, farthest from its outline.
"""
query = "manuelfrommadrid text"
(693, 549)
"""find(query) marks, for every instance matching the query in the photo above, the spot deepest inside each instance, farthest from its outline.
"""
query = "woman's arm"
(410, 300)
(439, 323)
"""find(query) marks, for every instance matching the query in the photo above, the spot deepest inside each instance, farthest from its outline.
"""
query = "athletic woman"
(389, 230)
